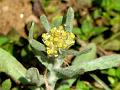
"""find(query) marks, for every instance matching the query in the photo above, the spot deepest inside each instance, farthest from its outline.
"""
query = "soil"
(13, 15)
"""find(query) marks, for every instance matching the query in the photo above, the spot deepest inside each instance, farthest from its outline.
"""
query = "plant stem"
(100, 81)
(52, 79)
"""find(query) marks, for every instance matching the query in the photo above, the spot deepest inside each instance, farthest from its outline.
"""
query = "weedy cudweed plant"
(57, 42)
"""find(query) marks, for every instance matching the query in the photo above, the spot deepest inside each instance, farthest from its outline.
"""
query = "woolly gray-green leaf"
(37, 45)
(31, 31)
(69, 20)
(47, 62)
(37, 49)
(57, 22)
(34, 76)
(68, 72)
(45, 22)
(87, 56)
(104, 62)
(78, 53)
(10, 66)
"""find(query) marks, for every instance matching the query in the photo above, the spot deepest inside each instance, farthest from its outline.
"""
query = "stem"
(100, 81)
(52, 79)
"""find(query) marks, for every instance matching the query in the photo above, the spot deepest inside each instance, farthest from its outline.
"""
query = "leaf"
(98, 40)
(3, 40)
(8, 47)
(77, 53)
(81, 86)
(104, 62)
(34, 77)
(112, 45)
(6, 85)
(112, 80)
(97, 13)
(45, 22)
(76, 31)
(66, 84)
(87, 30)
(64, 87)
(117, 86)
(87, 56)
(10, 66)
(116, 5)
(69, 82)
(99, 30)
(57, 21)
(42, 57)
(87, 26)
(108, 6)
(69, 20)
(37, 45)
(118, 73)
(113, 72)
(68, 72)
(31, 31)
(115, 20)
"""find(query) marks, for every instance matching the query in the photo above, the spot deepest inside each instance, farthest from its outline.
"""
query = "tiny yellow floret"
(64, 33)
(72, 35)
(60, 45)
(47, 43)
(44, 36)
(51, 38)
(56, 39)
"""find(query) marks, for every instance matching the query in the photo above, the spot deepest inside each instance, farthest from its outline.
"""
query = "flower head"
(57, 39)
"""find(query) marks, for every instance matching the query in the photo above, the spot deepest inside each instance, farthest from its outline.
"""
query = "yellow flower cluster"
(57, 39)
